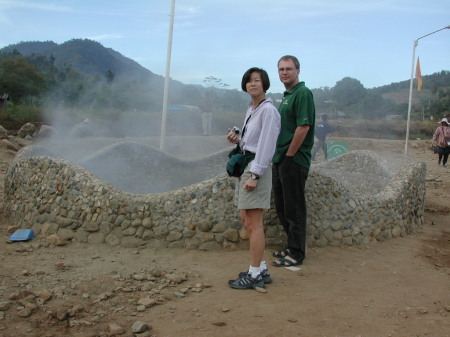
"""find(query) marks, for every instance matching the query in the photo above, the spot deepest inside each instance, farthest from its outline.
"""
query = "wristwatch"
(254, 176)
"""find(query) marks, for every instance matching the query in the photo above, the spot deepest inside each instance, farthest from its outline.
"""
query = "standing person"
(259, 136)
(206, 107)
(292, 160)
(440, 138)
(206, 122)
(321, 132)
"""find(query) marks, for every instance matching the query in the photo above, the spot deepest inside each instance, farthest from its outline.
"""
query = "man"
(322, 130)
(292, 160)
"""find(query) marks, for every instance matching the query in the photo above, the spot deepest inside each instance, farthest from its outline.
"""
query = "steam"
(123, 150)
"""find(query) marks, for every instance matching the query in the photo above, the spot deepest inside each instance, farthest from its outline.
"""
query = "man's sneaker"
(264, 274)
(245, 281)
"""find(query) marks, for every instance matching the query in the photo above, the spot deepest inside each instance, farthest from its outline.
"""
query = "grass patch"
(21, 114)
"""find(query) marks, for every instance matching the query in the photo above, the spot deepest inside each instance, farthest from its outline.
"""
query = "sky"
(371, 41)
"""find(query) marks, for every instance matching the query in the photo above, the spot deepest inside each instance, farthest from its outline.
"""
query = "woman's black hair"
(264, 78)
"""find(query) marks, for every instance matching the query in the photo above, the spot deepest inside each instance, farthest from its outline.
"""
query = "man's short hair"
(290, 57)
(264, 78)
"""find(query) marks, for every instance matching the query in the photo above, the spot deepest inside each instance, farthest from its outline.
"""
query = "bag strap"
(245, 124)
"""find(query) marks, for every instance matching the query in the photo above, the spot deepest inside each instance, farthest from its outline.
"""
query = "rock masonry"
(353, 199)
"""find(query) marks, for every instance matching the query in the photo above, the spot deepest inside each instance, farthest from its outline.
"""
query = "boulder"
(27, 130)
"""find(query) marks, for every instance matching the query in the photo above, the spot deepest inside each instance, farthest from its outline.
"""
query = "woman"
(259, 136)
(440, 138)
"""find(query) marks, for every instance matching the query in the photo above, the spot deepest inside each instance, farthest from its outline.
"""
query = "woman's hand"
(233, 137)
(250, 184)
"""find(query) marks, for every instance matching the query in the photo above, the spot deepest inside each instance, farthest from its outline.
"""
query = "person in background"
(206, 108)
(292, 161)
(321, 132)
(258, 137)
(441, 139)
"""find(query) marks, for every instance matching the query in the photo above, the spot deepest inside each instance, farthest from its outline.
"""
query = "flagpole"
(416, 42)
(166, 81)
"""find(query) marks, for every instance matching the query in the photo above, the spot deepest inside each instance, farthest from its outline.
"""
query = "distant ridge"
(110, 81)
(85, 56)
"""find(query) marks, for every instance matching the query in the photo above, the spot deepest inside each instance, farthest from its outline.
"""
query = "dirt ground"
(399, 287)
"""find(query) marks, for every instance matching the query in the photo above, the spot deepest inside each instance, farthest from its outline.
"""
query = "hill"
(101, 80)
(83, 74)
(85, 56)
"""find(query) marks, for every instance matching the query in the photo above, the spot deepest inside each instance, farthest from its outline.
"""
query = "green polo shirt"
(296, 109)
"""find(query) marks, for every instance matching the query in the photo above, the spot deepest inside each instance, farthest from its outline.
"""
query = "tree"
(110, 76)
(214, 82)
(440, 107)
(323, 100)
(20, 79)
(372, 106)
(348, 91)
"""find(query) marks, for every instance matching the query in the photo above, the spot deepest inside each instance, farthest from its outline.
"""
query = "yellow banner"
(418, 75)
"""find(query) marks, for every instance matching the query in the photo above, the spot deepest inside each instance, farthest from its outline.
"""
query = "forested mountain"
(350, 98)
(82, 74)
(85, 56)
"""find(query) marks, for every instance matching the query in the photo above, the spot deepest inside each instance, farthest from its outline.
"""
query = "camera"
(236, 130)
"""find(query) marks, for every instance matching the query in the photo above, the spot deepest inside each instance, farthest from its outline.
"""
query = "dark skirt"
(443, 150)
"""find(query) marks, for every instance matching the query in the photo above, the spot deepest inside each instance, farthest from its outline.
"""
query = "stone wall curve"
(54, 196)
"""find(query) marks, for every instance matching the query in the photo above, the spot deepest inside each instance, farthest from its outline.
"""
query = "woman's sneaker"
(245, 281)
(265, 275)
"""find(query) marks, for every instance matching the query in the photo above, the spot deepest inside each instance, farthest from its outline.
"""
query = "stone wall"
(352, 199)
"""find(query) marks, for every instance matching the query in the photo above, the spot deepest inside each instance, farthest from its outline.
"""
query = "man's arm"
(297, 141)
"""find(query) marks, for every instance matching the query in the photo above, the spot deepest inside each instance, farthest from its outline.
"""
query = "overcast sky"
(371, 41)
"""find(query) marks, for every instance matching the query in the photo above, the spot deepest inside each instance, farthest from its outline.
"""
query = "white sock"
(254, 271)
(263, 265)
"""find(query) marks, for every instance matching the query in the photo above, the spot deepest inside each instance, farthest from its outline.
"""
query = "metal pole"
(166, 81)
(410, 95)
(416, 42)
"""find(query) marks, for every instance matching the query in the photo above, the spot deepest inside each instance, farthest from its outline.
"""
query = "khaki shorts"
(257, 198)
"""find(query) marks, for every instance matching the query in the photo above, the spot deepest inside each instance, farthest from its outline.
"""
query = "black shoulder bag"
(238, 159)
